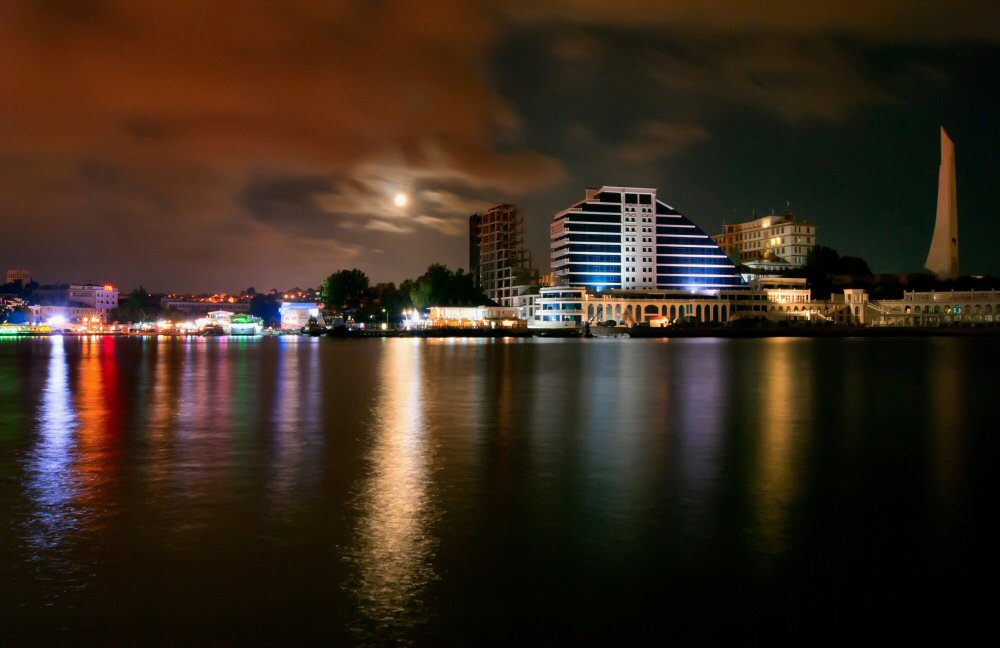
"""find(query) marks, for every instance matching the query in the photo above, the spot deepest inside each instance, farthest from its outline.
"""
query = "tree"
(463, 291)
(389, 297)
(854, 266)
(139, 306)
(265, 307)
(822, 260)
(432, 286)
(14, 311)
(439, 286)
(421, 295)
(19, 289)
(346, 290)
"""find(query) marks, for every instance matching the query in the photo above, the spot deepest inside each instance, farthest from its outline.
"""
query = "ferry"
(244, 325)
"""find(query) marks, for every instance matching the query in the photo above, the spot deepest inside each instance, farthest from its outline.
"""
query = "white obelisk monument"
(942, 259)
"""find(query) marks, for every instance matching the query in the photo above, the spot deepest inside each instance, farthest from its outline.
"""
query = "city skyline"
(180, 149)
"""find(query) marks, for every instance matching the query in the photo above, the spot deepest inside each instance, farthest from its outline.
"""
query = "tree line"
(351, 292)
(827, 272)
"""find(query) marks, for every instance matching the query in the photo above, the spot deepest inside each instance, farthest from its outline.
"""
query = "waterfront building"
(568, 307)
(219, 316)
(942, 258)
(774, 299)
(50, 294)
(478, 317)
(625, 238)
(243, 324)
(74, 302)
(938, 308)
(771, 243)
(296, 315)
(788, 298)
(102, 298)
(525, 302)
(499, 263)
(19, 274)
(231, 323)
(60, 314)
(200, 308)
(559, 307)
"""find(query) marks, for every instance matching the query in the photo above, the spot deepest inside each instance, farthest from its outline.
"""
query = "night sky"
(203, 146)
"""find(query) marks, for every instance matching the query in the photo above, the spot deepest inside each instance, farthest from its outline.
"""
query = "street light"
(386, 318)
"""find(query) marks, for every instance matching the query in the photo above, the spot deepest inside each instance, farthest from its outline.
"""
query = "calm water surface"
(481, 492)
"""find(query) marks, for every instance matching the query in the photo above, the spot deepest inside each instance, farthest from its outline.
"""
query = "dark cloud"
(656, 140)
(288, 203)
(449, 226)
(300, 113)
(876, 20)
(196, 145)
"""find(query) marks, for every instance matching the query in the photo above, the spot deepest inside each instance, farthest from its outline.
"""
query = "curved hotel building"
(625, 238)
(623, 254)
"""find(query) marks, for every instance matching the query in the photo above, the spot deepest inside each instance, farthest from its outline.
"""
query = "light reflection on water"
(383, 491)
(295, 427)
(52, 481)
(786, 393)
(394, 543)
(699, 380)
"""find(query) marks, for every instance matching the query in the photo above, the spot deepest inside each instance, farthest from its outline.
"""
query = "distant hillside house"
(773, 241)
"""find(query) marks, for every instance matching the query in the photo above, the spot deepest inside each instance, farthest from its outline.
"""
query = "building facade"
(296, 315)
(201, 308)
(61, 315)
(19, 274)
(473, 317)
(567, 307)
(499, 263)
(938, 308)
(625, 238)
(773, 241)
(102, 299)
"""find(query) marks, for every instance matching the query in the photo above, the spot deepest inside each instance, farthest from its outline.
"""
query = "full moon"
(400, 200)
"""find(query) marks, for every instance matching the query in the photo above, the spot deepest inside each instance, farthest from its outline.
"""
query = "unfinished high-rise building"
(498, 261)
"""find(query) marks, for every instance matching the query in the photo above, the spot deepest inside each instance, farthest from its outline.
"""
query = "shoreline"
(641, 333)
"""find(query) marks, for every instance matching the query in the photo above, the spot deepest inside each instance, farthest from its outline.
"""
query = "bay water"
(480, 491)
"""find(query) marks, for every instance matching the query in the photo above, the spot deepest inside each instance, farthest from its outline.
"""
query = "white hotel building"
(102, 299)
(625, 238)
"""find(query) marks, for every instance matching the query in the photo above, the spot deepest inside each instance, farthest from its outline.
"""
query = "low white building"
(60, 315)
(563, 307)
(789, 298)
(296, 315)
(778, 300)
(201, 308)
(473, 317)
(938, 308)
